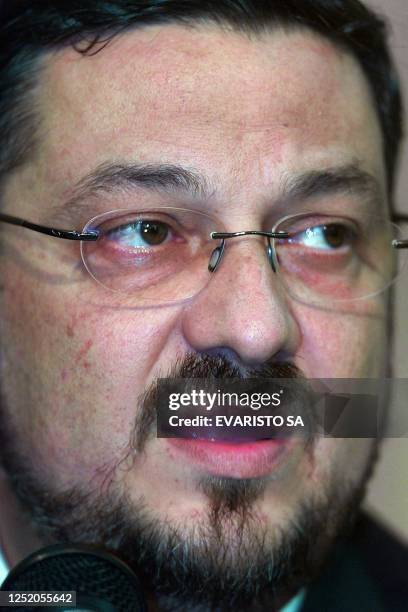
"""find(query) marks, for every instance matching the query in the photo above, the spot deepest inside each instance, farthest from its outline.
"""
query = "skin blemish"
(70, 331)
(84, 350)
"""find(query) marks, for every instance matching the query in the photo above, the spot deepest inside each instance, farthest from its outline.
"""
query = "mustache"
(194, 365)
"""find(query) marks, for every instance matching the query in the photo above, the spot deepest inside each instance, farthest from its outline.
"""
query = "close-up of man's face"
(247, 130)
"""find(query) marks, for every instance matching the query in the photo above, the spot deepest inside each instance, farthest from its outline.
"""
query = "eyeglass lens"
(162, 255)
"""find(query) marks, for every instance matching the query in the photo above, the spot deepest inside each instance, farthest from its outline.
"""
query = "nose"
(244, 309)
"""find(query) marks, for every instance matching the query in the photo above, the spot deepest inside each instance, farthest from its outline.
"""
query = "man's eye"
(328, 237)
(141, 233)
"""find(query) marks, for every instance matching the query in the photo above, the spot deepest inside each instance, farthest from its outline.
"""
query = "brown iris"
(335, 235)
(153, 232)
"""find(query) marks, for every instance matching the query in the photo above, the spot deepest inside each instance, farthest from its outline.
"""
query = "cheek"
(73, 377)
(340, 458)
(341, 345)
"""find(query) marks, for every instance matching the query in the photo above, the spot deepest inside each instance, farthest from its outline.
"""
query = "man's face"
(76, 359)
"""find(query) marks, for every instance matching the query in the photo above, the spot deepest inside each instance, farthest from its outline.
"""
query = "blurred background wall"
(388, 494)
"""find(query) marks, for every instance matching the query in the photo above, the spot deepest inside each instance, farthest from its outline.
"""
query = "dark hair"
(30, 28)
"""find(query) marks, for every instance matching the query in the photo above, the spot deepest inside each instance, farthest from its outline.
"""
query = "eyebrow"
(162, 178)
(349, 179)
(175, 179)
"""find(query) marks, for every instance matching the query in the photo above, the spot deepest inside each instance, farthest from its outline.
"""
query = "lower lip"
(234, 460)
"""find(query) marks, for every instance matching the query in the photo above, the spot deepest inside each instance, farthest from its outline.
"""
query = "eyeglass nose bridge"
(218, 252)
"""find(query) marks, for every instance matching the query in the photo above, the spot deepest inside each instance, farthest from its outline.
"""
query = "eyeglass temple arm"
(50, 231)
(400, 244)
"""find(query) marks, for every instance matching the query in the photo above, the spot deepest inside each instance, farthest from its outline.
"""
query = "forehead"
(209, 98)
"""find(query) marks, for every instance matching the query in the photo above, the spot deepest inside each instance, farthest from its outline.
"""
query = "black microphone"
(102, 582)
